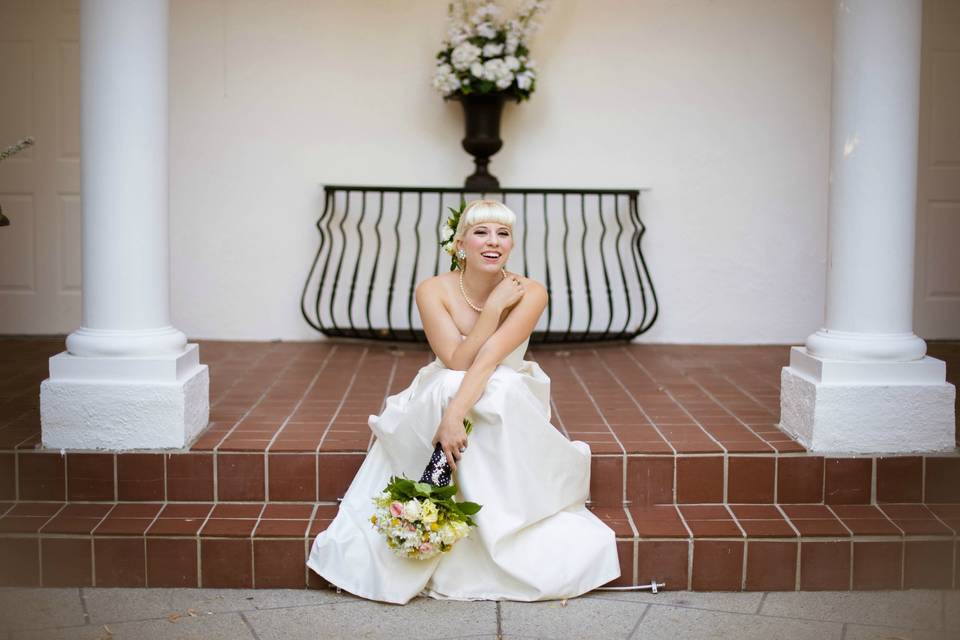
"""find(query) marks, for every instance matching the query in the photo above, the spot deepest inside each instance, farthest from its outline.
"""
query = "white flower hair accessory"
(449, 230)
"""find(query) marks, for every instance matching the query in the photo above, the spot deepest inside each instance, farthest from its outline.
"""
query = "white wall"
(720, 108)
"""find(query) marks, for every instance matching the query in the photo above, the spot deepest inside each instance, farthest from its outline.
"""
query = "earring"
(461, 254)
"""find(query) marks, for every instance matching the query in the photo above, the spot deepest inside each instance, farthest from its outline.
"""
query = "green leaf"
(469, 508)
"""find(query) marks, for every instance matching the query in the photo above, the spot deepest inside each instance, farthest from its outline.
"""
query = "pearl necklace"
(463, 291)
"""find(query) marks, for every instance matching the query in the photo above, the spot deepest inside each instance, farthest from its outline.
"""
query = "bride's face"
(487, 245)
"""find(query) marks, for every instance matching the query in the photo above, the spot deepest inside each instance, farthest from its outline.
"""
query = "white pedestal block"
(120, 404)
(838, 406)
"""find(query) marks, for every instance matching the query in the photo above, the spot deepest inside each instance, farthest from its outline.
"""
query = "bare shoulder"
(433, 284)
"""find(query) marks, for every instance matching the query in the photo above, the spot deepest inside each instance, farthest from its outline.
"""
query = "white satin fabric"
(535, 539)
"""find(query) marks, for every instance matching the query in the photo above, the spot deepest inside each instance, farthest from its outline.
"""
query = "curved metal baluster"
(566, 270)
(303, 297)
(441, 223)
(603, 263)
(356, 267)
(393, 271)
(546, 259)
(526, 270)
(416, 262)
(373, 272)
(343, 252)
(656, 309)
(623, 274)
(634, 249)
(586, 270)
(326, 264)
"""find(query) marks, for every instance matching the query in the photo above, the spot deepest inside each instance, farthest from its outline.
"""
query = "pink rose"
(396, 508)
(426, 547)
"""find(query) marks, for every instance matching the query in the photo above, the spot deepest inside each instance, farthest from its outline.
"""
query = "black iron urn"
(481, 114)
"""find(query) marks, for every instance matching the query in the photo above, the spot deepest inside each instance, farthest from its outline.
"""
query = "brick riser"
(700, 547)
(616, 480)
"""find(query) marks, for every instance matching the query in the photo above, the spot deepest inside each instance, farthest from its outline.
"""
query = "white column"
(862, 383)
(128, 378)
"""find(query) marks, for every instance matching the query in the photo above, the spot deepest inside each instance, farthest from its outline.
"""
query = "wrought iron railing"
(377, 243)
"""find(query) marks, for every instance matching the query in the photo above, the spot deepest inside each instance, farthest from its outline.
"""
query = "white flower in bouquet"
(492, 50)
(525, 79)
(465, 55)
(486, 52)
(428, 512)
(486, 30)
(411, 510)
(488, 10)
(445, 80)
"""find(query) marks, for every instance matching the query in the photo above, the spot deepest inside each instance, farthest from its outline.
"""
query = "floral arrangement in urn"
(484, 52)
(485, 61)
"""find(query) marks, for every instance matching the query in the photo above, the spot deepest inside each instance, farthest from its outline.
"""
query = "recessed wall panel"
(16, 95)
(70, 242)
(942, 269)
(69, 102)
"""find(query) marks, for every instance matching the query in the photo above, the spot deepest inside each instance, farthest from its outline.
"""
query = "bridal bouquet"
(421, 519)
(483, 52)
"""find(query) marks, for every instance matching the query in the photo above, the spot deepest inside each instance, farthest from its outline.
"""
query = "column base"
(836, 406)
(118, 404)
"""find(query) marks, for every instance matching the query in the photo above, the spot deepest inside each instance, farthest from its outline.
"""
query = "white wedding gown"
(534, 540)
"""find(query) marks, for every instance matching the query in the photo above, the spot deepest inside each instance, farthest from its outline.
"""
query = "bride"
(535, 539)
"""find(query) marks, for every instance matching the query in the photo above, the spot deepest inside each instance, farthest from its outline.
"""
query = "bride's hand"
(507, 293)
(452, 436)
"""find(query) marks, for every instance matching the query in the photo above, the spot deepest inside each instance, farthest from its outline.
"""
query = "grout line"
(643, 614)
(636, 402)
(277, 377)
(623, 450)
(760, 604)
(723, 448)
(16, 475)
(83, 605)
(343, 400)
(286, 421)
(923, 479)
(249, 626)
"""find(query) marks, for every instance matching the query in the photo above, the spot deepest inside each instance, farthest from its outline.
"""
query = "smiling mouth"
(490, 255)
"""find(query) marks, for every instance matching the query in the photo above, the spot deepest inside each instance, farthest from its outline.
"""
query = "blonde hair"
(479, 211)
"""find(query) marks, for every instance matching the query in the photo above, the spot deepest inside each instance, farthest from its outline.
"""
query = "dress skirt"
(535, 539)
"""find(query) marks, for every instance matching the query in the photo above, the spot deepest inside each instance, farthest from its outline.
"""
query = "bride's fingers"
(449, 454)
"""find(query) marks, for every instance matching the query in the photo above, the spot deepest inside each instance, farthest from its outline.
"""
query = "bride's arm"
(515, 329)
(442, 333)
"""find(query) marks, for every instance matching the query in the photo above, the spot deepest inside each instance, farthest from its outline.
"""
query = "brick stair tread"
(698, 546)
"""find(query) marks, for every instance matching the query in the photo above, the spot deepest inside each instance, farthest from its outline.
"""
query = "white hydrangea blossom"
(492, 50)
(445, 80)
(464, 55)
(486, 30)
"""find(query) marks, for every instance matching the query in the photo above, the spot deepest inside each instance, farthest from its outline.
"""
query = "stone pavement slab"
(862, 632)
(671, 623)
(593, 618)
(902, 609)
(713, 601)
(38, 608)
(355, 618)
(224, 626)
(115, 605)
